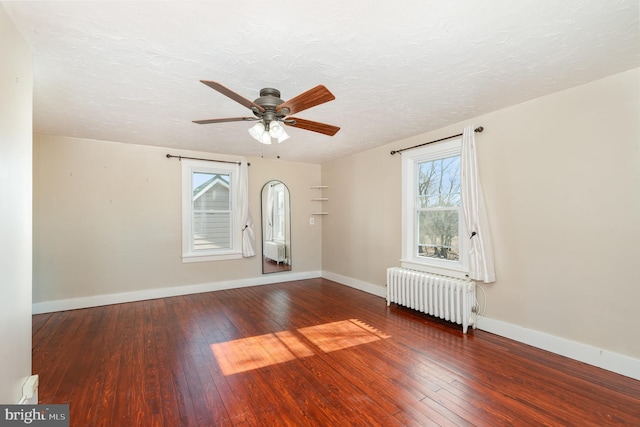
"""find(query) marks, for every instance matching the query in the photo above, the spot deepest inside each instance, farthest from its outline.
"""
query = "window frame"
(410, 258)
(189, 254)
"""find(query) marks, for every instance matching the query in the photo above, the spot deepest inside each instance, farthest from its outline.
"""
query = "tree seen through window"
(438, 208)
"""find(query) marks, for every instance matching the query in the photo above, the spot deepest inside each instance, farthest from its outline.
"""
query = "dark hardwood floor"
(310, 352)
(271, 266)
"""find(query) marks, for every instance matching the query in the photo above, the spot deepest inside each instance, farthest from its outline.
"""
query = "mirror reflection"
(276, 228)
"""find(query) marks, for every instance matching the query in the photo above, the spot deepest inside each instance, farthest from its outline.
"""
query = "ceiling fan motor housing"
(269, 100)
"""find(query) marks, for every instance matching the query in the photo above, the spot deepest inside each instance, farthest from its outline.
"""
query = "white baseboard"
(614, 362)
(357, 284)
(98, 300)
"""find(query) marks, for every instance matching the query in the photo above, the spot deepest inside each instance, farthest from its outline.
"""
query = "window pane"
(211, 211)
(437, 208)
(438, 234)
(438, 183)
(211, 230)
(441, 200)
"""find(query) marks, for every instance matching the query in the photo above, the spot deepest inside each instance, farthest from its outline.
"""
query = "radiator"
(275, 251)
(445, 297)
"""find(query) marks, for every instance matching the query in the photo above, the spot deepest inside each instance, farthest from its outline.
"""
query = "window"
(278, 212)
(432, 209)
(209, 211)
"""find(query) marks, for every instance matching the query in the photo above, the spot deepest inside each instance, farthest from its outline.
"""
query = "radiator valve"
(474, 309)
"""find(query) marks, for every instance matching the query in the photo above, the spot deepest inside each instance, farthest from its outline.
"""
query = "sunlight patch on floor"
(264, 350)
(340, 335)
(257, 352)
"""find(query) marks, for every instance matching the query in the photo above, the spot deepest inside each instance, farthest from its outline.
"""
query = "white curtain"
(248, 236)
(481, 266)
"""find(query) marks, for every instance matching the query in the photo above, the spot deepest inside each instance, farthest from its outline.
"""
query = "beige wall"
(361, 235)
(107, 219)
(561, 176)
(16, 87)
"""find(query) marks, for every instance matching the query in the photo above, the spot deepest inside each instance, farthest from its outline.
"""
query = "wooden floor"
(302, 353)
(271, 266)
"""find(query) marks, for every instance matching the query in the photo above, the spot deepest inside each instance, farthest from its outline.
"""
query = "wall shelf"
(319, 199)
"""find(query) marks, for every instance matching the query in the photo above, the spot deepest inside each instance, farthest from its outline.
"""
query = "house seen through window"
(209, 211)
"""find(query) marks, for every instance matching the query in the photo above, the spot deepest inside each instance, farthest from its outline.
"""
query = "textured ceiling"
(130, 71)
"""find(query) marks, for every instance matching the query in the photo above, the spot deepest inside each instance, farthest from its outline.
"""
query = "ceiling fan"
(270, 111)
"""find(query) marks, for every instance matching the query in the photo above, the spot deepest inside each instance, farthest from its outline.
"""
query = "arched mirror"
(276, 228)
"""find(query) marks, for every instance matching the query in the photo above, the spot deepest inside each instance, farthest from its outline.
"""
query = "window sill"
(205, 258)
(436, 269)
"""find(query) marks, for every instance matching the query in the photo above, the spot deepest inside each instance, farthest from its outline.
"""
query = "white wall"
(107, 221)
(562, 184)
(16, 87)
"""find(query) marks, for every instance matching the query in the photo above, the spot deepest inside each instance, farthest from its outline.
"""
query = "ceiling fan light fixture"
(256, 131)
(265, 138)
(275, 129)
(283, 137)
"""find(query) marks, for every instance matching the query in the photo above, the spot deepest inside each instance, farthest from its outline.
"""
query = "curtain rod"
(169, 156)
(478, 130)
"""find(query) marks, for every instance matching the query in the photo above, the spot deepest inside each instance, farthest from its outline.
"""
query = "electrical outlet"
(312, 221)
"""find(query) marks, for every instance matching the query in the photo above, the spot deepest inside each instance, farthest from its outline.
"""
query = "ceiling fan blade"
(231, 94)
(230, 119)
(313, 126)
(316, 96)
